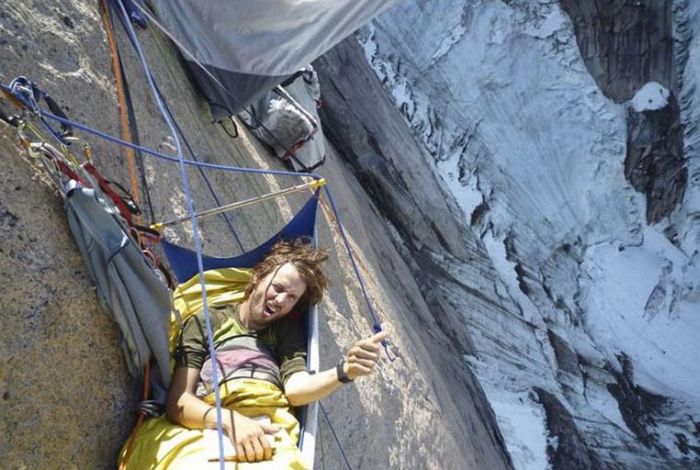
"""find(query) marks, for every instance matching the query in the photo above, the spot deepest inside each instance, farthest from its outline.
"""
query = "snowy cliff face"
(628, 49)
(574, 155)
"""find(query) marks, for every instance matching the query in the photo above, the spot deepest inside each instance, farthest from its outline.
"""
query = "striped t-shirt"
(274, 353)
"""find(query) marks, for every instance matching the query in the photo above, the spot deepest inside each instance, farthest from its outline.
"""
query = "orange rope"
(124, 117)
(13, 99)
(131, 159)
(139, 420)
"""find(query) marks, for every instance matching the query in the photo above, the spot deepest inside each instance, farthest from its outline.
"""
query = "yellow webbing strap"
(313, 185)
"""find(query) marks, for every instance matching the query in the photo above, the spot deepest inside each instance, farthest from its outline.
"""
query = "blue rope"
(376, 327)
(33, 106)
(335, 436)
(27, 93)
(170, 158)
(197, 242)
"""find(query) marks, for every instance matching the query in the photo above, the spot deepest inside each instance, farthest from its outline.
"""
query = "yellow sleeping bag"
(224, 286)
(160, 444)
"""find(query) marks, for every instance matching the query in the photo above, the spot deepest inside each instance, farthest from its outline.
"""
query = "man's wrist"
(341, 374)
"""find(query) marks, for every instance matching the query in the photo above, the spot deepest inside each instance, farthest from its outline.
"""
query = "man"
(261, 356)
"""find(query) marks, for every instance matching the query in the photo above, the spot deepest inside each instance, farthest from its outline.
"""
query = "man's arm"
(184, 408)
(302, 388)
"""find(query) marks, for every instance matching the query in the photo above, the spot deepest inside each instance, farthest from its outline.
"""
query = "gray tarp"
(252, 45)
(128, 287)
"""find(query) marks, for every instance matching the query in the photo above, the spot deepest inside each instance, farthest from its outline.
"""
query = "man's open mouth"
(268, 312)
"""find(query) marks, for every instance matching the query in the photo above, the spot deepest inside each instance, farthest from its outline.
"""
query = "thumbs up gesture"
(363, 355)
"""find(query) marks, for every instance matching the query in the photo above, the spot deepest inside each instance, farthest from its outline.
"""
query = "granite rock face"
(654, 163)
(67, 399)
(360, 120)
(626, 45)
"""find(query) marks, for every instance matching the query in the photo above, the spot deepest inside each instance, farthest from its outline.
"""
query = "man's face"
(275, 295)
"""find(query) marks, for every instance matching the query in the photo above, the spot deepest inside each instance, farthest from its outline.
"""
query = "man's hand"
(362, 357)
(248, 437)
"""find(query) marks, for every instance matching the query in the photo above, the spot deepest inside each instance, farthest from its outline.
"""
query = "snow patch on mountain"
(645, 301)
(519, 418)
(650, 97)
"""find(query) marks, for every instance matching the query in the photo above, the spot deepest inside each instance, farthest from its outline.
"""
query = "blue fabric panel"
(184, 262)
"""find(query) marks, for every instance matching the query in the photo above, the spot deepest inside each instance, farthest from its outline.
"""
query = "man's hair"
(305, 259)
